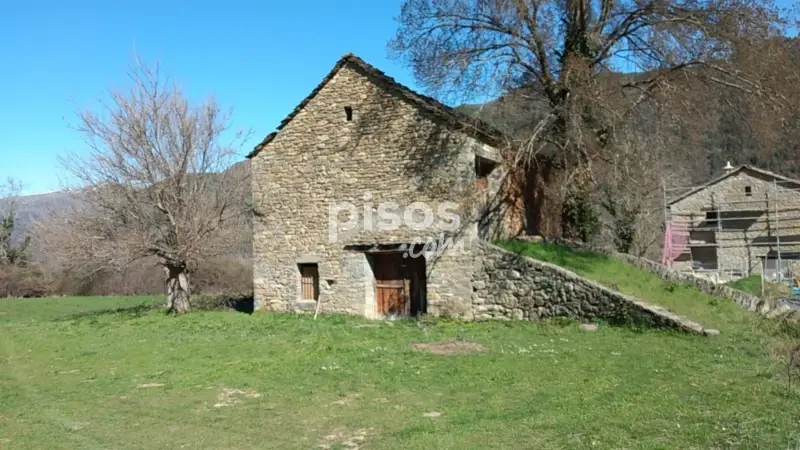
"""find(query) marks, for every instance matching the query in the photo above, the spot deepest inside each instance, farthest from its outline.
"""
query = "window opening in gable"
(483, 168)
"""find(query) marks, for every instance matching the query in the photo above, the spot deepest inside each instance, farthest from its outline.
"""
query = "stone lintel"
(486, 152)
(308, 259)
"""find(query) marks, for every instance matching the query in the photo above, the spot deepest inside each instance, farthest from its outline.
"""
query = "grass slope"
(752, 285)
(111, 373)
(711, 312)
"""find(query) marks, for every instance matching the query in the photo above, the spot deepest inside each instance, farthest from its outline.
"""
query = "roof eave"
(257, 149)
(729, 174)
(709, 183)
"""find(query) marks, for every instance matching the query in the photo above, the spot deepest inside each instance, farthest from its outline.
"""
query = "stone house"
(740, 223)
(361, 177)
(371, 199)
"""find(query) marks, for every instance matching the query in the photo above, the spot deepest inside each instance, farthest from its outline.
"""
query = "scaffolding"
(734, 233)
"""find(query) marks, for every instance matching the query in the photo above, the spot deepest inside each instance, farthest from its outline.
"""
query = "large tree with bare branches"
(590, 66)
(155, 181)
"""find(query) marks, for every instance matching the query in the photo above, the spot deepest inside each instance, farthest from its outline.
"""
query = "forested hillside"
(727, 126)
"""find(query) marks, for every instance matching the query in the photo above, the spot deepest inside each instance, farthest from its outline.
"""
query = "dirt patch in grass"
(344, 438)
(230, 397)
(449, 348)
(347, 399)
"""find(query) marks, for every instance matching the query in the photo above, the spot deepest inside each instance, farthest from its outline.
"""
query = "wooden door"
(392, 286)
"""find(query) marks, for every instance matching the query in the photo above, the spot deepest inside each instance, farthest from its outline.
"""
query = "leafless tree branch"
(156, 180)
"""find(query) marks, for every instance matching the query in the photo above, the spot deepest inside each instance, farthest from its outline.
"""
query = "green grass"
(752, 285)
(47, 309)
(111, 373)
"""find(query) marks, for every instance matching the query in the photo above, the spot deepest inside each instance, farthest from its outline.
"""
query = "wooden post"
(718, 240)
(763, 274)
(316, 310)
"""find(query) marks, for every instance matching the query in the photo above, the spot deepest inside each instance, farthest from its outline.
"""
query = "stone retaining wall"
(511, 286)
(743, 299)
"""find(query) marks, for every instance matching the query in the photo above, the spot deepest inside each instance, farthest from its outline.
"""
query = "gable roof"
(484, 131)
(731, 173)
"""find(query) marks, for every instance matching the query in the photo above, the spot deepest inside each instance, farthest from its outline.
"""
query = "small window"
(483, 168)
(348, 113)
(309, 281)
(748, 191)
(711, 219)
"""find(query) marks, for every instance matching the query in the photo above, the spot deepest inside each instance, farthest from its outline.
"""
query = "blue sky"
(259, 57)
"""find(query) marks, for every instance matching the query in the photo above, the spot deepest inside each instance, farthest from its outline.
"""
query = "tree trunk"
(177, 288)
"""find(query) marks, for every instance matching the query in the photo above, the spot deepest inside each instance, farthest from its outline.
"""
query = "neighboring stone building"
(738, 222)
(360, 146)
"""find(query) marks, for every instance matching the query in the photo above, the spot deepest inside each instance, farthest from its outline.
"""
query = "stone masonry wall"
(511, 286)
(389, 152)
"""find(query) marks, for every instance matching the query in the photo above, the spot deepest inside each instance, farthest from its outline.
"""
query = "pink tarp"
(676, 240)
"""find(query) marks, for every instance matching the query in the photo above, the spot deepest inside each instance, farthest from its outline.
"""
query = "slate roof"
(482, 130)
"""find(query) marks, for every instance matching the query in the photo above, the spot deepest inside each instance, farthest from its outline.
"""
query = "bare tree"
(590, 65)
(11, 252)
(631, 194)
(155, 182)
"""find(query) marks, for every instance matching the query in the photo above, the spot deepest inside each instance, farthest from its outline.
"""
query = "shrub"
(222, 302)
(224, 275)
(580, 219)
(17, 281)
(229, 276)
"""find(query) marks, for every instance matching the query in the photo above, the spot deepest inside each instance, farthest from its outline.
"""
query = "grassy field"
(114, 373)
